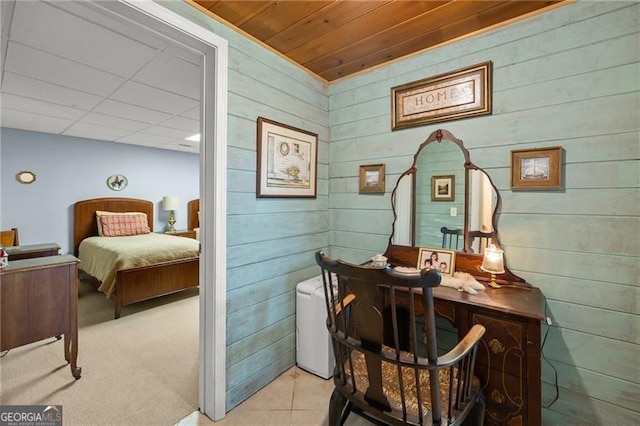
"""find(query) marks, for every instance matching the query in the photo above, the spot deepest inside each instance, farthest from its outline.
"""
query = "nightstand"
(184, 233)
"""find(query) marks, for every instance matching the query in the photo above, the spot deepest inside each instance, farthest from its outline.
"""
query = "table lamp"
(493, 263)
(171, 204)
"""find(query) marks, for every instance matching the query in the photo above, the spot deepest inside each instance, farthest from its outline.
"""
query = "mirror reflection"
(429, 214)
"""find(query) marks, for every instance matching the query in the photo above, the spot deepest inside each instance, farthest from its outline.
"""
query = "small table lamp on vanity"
(493, 263)
(171, 204)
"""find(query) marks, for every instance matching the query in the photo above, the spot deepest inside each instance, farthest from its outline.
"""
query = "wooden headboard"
(193, 207)
(84, 215)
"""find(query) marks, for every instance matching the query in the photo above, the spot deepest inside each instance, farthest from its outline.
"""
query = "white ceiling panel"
(35, 89)
(168, 132)
(20, 103)
(146, 139)
(43, 66)
(28, 121)
(69, 69)
(45, 27)
(120, 109)
(182, 123)
(96, 131)
(116, 122)
(152, 98)
(162, 71)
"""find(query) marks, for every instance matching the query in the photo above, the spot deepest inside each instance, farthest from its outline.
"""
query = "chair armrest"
(463, 347)
(345, 302)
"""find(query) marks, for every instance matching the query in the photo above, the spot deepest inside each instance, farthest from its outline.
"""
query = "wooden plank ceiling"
(334, 39)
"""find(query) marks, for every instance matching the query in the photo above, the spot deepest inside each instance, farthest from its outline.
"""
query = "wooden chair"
(9, 238)
(452, 238)
(373, 377)
(479, 241)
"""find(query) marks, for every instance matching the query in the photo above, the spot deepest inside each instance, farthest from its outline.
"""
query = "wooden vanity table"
(508, 360)
(39, 300)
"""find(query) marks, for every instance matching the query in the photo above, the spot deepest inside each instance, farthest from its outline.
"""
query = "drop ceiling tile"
(36, 89)
(46, 27)
(153, 98)
(116, 122)
(168, 132)
(97, 132)
(194, 58)
(43, 66)
(182, 123)
(146, 139)
(193, 113)
(121, 109)
(172, 74)
(34, 122)
(20, 103)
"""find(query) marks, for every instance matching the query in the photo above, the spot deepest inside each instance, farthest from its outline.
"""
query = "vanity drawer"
(446, 310)
(503, 345)
(505, 400)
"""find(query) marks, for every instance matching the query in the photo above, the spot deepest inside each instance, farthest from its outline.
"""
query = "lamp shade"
(170, 203)
(493, 261)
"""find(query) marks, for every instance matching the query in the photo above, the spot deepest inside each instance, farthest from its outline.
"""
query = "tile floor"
(295, 398)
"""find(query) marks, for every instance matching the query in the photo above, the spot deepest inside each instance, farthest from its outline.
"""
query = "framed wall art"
(458, 94)
(538, 168)
(437, 258)
(117, 182)
(372, 179)
(443, 188)
(287, 161)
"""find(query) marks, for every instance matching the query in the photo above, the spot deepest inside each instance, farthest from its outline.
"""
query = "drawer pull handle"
(497, 397)
(496, 347)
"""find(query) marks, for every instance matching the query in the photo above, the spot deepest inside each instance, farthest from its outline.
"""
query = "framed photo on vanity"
(437, 258)
(287, 161)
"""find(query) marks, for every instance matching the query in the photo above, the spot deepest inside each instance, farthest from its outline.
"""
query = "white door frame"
(213, 186)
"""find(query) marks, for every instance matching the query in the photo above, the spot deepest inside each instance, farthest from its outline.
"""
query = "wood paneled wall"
(568, 77)
(271, 242)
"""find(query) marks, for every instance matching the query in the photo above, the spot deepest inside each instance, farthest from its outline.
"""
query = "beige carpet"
(141, 369)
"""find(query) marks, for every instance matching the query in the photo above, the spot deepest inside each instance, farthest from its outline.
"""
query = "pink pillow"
(122, 225)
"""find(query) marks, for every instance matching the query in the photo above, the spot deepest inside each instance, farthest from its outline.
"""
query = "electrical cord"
(544, 340)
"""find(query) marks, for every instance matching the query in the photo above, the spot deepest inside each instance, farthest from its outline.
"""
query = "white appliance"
(314, 351)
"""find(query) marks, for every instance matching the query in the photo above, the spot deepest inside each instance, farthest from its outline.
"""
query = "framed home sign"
(287, 159)
(458, 94)
(372, 179)
(443, 188)
(538, 168)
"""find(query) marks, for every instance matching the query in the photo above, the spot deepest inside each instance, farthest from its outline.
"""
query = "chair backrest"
(479, 241)
(452, 239)
(9, 238)
(384, 378)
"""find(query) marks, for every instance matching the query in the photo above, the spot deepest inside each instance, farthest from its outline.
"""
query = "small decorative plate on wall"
(117, 182)
(25, 177)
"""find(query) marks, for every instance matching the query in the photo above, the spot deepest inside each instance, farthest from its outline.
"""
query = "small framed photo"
(536, 168)
(286, 161)
(443, 188)
(437, 258)
(372, 179)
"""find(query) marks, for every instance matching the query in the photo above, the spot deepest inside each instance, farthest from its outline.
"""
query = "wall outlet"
(454, 211)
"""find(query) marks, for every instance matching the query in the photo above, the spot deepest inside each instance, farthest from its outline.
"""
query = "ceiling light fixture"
(194, 138)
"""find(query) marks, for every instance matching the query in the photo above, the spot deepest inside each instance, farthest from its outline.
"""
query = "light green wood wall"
(270, 241)
(569, 77)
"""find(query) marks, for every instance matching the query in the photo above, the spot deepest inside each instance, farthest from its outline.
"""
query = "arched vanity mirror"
(444, 200)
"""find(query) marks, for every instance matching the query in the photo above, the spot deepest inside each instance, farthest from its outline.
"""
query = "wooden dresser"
(39, 300)
(32, 250)
(508, 361)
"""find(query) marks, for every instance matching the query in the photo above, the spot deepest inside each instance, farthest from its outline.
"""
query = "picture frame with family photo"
(437, 258)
